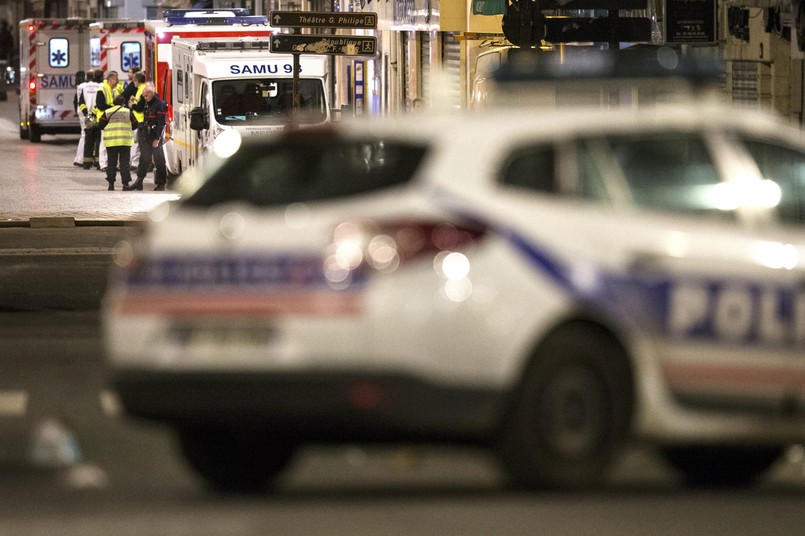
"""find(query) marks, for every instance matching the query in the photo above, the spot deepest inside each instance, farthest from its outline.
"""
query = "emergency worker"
(135, 97)
(110, 88)
(130, 87)
(80, 78)
(86, 104)
(117, 122)
(150, 133)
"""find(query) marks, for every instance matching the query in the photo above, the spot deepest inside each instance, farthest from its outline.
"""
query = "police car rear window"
(304, 170)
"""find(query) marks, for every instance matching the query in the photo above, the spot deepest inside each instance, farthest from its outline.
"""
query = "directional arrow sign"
(344, 45)
(323, 19)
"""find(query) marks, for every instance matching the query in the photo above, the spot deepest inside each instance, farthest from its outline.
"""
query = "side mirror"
(199, 119)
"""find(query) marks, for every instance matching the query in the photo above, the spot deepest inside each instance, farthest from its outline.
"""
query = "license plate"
(221, 341)
(44, 114)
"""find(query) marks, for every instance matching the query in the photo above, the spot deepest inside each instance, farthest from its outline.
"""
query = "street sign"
(603, 29)
(690, 21)
(343, 45)
(607, 5)
(322, 19)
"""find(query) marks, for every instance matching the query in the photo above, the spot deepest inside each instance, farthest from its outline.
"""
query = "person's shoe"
(127, 188)
(102, 169)
(78, 164)
(86, 166)
(111, 187)
(159, 188)
(137, 185)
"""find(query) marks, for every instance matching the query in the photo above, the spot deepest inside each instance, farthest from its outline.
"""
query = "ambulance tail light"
(32, 85)
(31, 28)
(388, 245)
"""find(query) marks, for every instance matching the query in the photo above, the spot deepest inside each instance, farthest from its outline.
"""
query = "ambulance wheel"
(23, 133)
(719, 466)
(572, 414)
(3, 96)
(34, 135)
(230, 459)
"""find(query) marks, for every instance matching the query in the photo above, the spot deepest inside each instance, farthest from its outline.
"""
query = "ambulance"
(226, 84)
(191, 24)
(51, 52)
(117, 45)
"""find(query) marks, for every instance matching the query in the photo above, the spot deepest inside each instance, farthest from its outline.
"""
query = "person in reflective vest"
(135, 91)
(86, 104)
(110, 88)
(117, 124)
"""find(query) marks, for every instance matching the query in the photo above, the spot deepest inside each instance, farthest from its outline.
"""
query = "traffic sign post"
(343, 45)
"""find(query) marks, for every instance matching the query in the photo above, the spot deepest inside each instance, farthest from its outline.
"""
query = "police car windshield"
(267, 101)
(308, 169)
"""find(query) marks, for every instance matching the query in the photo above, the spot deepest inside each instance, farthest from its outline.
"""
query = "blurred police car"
(545, 283)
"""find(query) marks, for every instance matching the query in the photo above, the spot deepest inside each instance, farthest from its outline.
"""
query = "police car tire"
(233, 459)
(572, 413)
(721, 465)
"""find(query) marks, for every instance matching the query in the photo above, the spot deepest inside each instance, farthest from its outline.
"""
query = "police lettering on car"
(740, 313)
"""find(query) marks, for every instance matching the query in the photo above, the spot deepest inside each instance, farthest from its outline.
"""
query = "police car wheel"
(572, 414)
(721, 466)
(232, 459)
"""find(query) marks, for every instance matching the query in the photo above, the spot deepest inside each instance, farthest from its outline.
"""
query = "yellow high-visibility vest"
(137, 97)
(118, 132)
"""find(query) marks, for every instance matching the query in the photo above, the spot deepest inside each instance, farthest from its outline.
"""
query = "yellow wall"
(454, 17)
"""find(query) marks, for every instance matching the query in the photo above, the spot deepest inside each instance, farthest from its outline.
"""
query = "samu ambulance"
(117, 45)
(191, 24)
(51, 52)
(239, 84)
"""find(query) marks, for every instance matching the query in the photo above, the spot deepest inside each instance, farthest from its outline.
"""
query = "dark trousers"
(149, 153)
(92, 139)
(118, 157)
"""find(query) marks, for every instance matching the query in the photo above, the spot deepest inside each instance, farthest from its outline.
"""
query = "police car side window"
(669, 171)
(786, 167)
(532, 168)
(588, 165)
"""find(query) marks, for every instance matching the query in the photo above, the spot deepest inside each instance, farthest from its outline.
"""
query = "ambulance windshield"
(267, 101)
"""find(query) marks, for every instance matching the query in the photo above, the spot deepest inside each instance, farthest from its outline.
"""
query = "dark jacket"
(155, 113)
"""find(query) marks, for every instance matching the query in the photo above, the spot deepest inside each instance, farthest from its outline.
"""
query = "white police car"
(546, 283)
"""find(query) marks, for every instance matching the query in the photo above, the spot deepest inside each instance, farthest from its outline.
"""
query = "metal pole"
(295, 86)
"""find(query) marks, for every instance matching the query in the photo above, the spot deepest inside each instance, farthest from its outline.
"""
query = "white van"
(237, 83)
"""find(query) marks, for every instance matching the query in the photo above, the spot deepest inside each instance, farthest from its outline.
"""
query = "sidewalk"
(39, 180)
